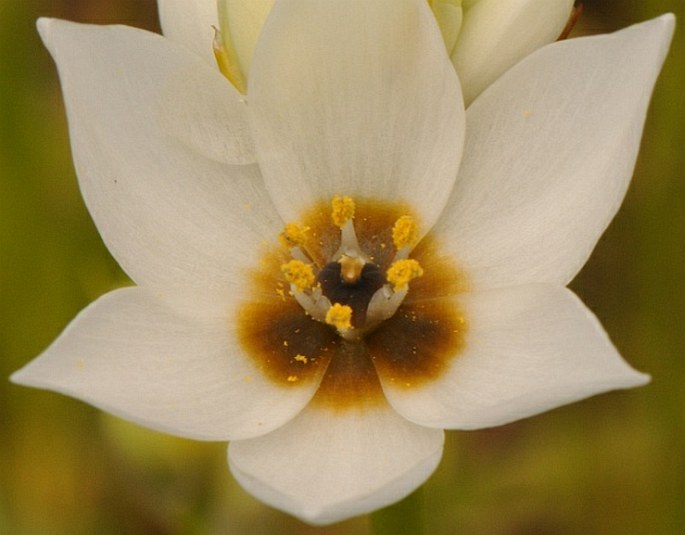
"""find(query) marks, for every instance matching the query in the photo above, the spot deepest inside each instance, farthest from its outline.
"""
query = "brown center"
(409, 349)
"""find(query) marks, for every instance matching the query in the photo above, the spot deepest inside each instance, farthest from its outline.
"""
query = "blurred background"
(611, 464)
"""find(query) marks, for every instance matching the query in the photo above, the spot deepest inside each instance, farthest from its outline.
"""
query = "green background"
(611, 464)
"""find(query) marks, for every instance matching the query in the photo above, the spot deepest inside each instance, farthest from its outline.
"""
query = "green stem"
(404, 517)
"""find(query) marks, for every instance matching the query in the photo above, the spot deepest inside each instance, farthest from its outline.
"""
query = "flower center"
(351, 291)
(349, 295)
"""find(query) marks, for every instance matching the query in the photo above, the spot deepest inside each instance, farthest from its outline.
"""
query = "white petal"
(132, 355)
(129, 67)
(145, 119)
(549, 153)
(528, 349)
(355, 98)
(244, 21)
(496, 34)
(190, 23)
(326, 466)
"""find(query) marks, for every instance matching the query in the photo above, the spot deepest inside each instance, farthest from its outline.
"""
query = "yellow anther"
(405, 232)
(293, 235)
(298, 274)
(301, 358)
(402, 272)
(292, 378)
(343, 210)
(339, 316)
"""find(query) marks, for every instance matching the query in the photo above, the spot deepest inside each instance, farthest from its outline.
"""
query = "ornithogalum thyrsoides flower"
(336, 266)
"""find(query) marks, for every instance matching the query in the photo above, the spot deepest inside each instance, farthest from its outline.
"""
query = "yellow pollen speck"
(339, 316)
(292, 378)
(298, 274)
(402, 272)
(292, 235)
(405, 232)
(343, 210)
(285, 343)
(301, 358)
(281, 293)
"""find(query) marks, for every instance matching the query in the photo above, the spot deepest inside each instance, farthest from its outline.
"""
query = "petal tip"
(640, 379)
(666, 24)
(16, 378)
(43, 25)
(30, 375)
(47, 28)
(319, 509)
(667, 19)
(21, 377)
(662, 28)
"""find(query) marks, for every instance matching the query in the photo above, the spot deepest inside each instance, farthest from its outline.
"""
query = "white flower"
(191, 188)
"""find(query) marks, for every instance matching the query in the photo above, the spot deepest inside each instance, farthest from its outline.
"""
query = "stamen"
(342, 213)
(293, 235)
(339, 316)
(384, 304)
(299, 274)
(405, 232)
(343, 210)
(402, 272)
(315, 304)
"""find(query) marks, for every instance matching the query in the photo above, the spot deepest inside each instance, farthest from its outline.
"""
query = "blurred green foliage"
(611, 464)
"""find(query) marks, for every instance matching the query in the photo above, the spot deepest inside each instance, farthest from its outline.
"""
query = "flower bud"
(496, 34)
(484, 38)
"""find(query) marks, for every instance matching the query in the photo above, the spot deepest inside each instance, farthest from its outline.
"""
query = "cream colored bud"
(497, 34)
